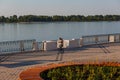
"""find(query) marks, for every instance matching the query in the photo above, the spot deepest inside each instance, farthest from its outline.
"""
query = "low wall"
(50, 45)
(34, 73)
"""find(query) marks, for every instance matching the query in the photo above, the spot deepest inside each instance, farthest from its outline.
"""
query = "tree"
(58, 18)
(2, 19)
(35, 18)
(13, 18)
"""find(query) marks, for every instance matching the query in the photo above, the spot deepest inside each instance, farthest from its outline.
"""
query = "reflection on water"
(51, 31)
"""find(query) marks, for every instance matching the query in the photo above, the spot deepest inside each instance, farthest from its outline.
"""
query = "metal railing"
(32, 45)
(16, 46)
(99, 39)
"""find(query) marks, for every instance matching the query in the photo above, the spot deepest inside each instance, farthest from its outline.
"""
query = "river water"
(52, 30)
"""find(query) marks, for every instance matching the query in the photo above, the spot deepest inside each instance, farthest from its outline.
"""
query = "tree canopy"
(79, 18)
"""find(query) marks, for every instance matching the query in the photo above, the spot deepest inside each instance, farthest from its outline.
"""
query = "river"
(52, 30)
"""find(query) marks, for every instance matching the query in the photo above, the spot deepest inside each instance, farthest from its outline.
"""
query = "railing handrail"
(33, 45)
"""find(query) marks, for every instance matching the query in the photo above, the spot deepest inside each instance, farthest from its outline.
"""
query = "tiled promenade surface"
(12, 65)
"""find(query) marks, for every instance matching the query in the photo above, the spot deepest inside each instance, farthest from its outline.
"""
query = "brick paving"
(12, 65)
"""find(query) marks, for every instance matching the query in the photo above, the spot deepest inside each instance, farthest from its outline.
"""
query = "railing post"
(0, 51)
(34, 46)
(96, 39)
(81, 42)
(111, 38)
(44, 45)
(119, 37)
(21, 46)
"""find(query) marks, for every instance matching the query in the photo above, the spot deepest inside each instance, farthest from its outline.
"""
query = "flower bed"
(58, 71)
(82, 72)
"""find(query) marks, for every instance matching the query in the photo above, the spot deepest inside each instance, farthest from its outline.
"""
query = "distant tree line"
(79, 18)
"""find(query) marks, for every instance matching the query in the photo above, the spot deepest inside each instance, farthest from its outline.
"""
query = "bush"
(82, 72)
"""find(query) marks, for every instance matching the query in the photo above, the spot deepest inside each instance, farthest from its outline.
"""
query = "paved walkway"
(12, 65)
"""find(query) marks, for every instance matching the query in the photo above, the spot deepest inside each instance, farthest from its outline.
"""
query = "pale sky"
(59, 7)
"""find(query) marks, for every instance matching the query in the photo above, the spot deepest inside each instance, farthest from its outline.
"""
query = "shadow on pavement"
(26, 63)
(16, 60)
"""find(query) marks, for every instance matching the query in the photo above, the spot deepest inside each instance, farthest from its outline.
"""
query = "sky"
(59, 7)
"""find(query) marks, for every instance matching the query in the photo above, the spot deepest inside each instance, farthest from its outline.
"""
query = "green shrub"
(82, 72)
